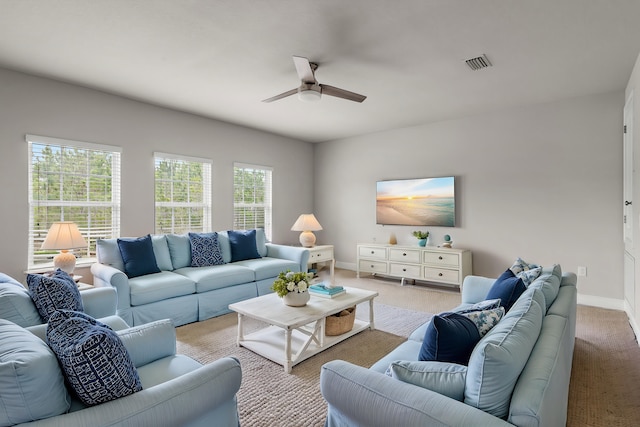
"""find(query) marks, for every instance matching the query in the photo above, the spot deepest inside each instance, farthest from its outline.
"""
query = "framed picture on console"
(420, 201)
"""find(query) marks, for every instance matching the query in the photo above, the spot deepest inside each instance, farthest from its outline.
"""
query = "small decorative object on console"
(293, 287)
(422, 237)
(447, 241)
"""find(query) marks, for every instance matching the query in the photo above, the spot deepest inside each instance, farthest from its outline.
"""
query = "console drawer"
(371, 266)
(404, 270)
(441, 259)
(320, 255)
(405, 255)
(372, 252)
(442, 275)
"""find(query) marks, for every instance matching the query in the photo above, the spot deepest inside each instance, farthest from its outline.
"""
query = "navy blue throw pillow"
(58, 292)
(205, 249)
(243, 245)
(138, 256)
(450, 337)
(508, 288)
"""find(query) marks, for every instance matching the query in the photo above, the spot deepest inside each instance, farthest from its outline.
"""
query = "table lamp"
(63, 236)
(307, 223)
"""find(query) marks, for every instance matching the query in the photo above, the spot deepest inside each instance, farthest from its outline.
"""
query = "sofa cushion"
(159, 286)
(16, 304)
(266, 268)
(498, 359)
(407, 350)
(217, 276)
(94, 360)
(205, 250)
(549, 283)
(32, 385)
(444, 378)
(508, 288)
(261, 242)
(138, 256)
(109, 253)
(243, 245)
(54, 293)
(161, 251)
(180, 250)
(450, 337)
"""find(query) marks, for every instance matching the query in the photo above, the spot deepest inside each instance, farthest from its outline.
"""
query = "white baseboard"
(602, 302)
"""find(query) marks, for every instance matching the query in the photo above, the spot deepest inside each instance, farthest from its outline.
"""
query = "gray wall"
(32, 105)
(542, 182)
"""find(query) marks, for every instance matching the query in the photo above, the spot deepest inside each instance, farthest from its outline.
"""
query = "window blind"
(252, 202)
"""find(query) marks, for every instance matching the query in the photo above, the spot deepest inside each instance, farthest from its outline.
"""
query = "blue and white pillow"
(205, 249)
(479, 306)
(58, 292)
(94, 360)
(485, 319)
(529, 276)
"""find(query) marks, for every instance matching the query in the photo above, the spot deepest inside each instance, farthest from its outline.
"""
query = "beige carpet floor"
(605, 380)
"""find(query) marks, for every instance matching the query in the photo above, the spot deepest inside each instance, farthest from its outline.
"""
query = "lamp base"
(65, 261)
(307, 239)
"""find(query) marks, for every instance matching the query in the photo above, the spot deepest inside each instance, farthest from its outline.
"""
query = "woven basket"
(338, 325)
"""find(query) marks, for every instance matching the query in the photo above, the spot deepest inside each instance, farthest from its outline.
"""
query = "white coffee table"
(297, 333)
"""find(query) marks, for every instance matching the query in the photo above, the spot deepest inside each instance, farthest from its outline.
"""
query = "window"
(252, 197)
(72, 181)
(183, 194)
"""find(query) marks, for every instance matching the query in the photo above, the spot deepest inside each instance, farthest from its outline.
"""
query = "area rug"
(269, 396)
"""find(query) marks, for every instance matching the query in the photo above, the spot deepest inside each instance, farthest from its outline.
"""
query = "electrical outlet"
(582, 271)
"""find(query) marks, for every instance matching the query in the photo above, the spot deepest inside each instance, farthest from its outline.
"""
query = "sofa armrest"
(100, 302)
(105, 275)
(293, 253)
(360, 397)
(475, 289)
(149, 342)
(208, 393)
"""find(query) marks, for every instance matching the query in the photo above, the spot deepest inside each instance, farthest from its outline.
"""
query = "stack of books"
(319, 289)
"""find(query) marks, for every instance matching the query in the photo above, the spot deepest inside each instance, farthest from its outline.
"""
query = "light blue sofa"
(187, 294)
(177, 390)
(518, 373)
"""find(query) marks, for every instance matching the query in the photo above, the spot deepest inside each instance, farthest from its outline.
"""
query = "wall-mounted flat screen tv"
(423, 201)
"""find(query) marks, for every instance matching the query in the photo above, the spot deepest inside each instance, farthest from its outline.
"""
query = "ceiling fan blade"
(341, 93)
(303, 67)
(282, 95)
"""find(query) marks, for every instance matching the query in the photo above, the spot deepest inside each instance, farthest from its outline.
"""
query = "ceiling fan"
(310, 89)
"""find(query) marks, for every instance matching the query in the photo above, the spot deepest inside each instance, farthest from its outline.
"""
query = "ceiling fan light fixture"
(309, 95)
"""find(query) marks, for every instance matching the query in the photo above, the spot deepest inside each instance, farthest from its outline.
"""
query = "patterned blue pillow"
(94, 360)
(58, 292)
(485, 319)
(205, 249)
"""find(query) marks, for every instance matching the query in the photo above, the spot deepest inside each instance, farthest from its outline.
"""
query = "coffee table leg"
(287, 351)
(372, 326)
(240, 329)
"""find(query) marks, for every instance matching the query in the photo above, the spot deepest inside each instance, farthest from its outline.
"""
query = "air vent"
(478, 63)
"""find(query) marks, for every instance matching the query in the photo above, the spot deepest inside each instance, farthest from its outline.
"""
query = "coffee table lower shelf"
(303, 342)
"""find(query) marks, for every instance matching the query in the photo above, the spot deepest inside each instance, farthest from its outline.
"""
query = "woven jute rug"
(269, 396)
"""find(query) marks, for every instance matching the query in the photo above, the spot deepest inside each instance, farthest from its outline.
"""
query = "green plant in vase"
(422, 237)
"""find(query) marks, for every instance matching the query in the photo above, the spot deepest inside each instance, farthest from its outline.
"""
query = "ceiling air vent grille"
(478, 63)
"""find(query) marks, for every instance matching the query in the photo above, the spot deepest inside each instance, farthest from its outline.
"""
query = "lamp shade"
(63, 235)
(306, 222)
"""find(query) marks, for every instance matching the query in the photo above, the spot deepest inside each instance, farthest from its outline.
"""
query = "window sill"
(44, 268)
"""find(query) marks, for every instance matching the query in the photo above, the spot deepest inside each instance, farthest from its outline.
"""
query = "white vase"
(296, 299)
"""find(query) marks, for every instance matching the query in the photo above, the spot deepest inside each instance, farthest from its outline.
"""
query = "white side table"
(323, 253)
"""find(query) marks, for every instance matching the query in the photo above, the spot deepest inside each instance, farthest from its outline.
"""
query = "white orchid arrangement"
(288, 281)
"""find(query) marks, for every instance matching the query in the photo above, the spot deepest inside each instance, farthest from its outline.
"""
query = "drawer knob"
(371, 265)
(440, 258)
(404, 269)
(404, 254)
(440, 274)
(372, 252)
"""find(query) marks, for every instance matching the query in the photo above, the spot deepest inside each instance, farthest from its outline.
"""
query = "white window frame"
(241, 223)
(204, 204)
(90, 235)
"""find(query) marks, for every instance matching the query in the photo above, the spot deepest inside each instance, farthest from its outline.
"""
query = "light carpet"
(269, 396)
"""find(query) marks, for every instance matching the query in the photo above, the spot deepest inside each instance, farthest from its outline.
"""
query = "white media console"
(429, 264)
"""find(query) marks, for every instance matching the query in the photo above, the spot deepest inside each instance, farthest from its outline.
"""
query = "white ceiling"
(220, 58)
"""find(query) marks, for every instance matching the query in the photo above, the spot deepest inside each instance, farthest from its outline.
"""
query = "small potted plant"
(293, 287)
(422, 237)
